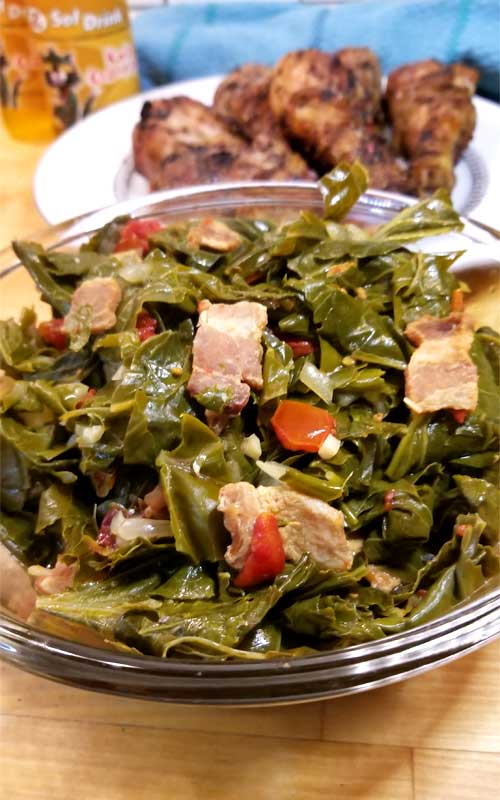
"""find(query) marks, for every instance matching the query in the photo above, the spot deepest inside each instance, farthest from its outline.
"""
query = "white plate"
(90, 166)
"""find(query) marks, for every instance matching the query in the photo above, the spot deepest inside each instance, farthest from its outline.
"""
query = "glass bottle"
(24, 105)
(87, 54)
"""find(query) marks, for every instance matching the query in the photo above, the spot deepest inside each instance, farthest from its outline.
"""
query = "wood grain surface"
(433, 737)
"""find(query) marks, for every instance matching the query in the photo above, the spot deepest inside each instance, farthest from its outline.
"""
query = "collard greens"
(69, 456)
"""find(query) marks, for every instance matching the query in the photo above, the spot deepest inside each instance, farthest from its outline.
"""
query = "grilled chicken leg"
(179, 141)
(431, 109)
(242, 103)
(331, 105)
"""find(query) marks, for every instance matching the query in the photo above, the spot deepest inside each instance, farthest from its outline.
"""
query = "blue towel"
(189, 41)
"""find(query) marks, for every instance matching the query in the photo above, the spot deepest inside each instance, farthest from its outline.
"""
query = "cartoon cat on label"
(62, 76)
(9, 94)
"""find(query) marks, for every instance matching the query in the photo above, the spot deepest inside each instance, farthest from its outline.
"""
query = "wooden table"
(434, 737)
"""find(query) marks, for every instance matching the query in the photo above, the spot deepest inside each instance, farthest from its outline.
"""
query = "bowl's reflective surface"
(81, 659)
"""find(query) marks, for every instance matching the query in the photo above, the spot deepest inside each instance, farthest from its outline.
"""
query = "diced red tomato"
(53, 333)
(134, 235)
(300, 347)
(105, 538)
(86, 398)
(301, 426)
(389, 499)
(459, 416)
(266, 557)
(145, 325)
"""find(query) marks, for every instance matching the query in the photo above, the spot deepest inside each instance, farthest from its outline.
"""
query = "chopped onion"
(134, 269)
(330, 447)
(251, 446)
(76, 392)
(126, 529)
(411, 405)
(120, 373)
(87, 435)
(272, 468)
(317, 381)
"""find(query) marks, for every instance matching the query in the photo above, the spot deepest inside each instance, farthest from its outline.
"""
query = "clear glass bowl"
(79, 658)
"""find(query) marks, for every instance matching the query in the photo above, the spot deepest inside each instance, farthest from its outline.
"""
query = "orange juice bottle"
(87, 54)
(25, 110)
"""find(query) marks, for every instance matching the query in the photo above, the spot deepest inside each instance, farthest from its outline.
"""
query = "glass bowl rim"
(375, 201)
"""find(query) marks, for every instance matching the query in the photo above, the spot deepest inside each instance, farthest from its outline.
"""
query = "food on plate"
(331, 105)
(181, 141)
(309, 112)
(279, 439)
(433, 117)
(242, 103)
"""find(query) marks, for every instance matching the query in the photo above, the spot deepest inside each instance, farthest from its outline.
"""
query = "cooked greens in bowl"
(242, 439)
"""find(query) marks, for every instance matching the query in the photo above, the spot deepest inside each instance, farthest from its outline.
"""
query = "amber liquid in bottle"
(24, 106)
(87, 54)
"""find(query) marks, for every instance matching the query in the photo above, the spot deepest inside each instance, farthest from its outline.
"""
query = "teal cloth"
(190, 41)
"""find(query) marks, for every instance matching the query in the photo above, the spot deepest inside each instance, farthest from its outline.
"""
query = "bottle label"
(71, 19)
(83, 76)
(87, 55)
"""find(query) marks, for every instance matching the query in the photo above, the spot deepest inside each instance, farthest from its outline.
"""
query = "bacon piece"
(16, 591)
(441, 373)
(305, 524)
(54, 579)
(156, 506)
(103, 296)
(227, 352)
(214, 234)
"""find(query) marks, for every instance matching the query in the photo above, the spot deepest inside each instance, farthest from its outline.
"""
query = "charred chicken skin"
(330, 104)
(242, 103)
(310, 112)
(180, 141)
(433, 118)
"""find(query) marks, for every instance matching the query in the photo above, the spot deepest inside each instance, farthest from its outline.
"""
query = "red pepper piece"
(389, 499)
(457, 300)
(105, 538)
(145, 325)
(86, 398)
(266, 557)
(53, 333)
(459, 416)
(254, 277)
(301, 426)
(300, 347)
(134, 235)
